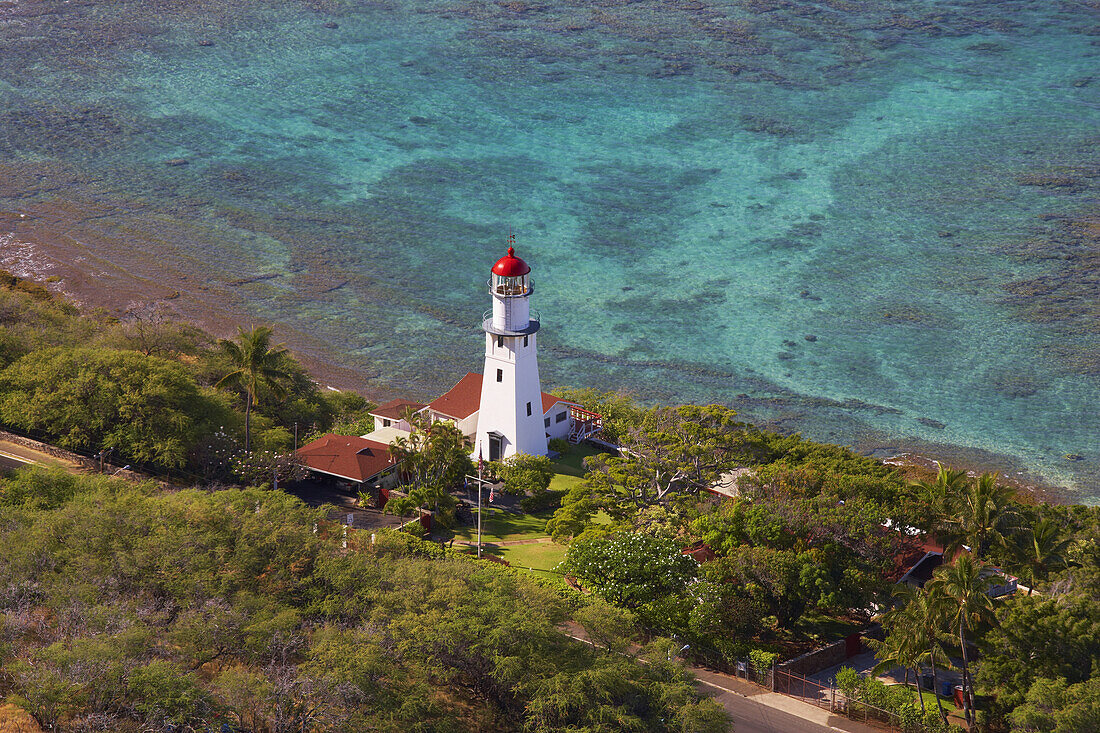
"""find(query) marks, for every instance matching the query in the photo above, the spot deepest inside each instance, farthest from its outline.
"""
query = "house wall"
(558, 429)
(380, 423)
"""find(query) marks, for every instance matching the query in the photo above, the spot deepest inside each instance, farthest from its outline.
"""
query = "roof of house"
(464, 399)
(395, 409)
(346, 456)
(461, 400)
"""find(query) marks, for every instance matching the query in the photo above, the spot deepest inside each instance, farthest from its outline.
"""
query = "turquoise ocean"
(873, 222)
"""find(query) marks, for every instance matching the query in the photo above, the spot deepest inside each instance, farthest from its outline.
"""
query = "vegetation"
(143, 386)
(257, 365)
(434, 460)
(122, 608)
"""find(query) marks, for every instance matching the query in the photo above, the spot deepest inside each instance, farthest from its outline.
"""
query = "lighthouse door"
(494, 447)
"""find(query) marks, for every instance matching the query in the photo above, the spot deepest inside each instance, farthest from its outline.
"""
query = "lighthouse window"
(500, 341)
(500, 375)
(560, 417)
(546, 423)
(528, 409)
(525, 342)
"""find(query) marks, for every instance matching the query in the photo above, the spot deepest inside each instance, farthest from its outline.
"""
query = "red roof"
(346, 456)
(464, 399)
(511, 266)
(395, 409)
(461, 400)
(549, 400)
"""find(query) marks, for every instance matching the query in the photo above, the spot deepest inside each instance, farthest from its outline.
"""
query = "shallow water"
(699, 187)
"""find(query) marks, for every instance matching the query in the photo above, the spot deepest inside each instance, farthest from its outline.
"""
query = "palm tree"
(958, 592)
(1040, 550)
(921, 620)
(978, 517)
(259, 365)
(936, 494)
(898, 650)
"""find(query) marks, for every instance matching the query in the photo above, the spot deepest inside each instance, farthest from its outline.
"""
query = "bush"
(933, 723)
(848, 681)
(523, 474)
(762, 662)
(560, 445)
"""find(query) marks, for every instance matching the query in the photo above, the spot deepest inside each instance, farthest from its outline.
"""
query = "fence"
(832, 699)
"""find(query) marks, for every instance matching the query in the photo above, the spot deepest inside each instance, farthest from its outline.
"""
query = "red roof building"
(346, 457)
(396, 409)
(463, 400)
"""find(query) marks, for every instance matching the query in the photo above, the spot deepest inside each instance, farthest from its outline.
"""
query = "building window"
(385, 423)
(500, 375)
(525, 341)
(546, 423)
(528, 409)
(560, 417)
(500, 342)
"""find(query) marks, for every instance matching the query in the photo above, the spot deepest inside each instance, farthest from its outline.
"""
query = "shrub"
(524, 474)
(848, 681)
(560, 445)
(762, 662)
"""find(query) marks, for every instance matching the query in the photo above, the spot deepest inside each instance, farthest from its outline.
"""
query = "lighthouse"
(510, 415)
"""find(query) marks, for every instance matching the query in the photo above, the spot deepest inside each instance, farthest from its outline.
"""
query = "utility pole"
(479, 465)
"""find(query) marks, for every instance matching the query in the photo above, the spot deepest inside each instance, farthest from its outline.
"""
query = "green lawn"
(499, 525)
(541, 556)
(571, 463)
(564, 481)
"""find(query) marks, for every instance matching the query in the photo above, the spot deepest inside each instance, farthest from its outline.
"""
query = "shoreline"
(45, 242)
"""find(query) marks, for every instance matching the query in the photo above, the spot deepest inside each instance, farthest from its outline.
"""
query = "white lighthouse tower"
(510, 417)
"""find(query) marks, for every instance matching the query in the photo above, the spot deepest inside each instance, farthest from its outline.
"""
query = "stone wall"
(829, 656)
(50, 450)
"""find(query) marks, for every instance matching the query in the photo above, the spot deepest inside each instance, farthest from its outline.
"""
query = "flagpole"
(479, 464)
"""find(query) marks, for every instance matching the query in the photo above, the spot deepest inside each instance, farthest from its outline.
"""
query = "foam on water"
(699, 187)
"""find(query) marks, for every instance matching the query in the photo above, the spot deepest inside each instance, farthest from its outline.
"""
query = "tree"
(1052, 706)
(674, 453)
(980, 517)
(917, 625)
(959, 592)
(1040, 550)
(629, 570)
(257, 365)
(1058, 638)
(934, 497)
(148, 409)
(433, 459)
(524, 474)
(898, 650)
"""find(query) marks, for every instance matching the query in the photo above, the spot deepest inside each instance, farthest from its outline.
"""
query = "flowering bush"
(629, 569)
(259, 468)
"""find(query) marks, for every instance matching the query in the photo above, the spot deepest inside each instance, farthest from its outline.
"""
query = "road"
(755, 710)
(9, 461)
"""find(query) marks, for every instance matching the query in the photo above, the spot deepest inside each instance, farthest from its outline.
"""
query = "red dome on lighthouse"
(511, 266)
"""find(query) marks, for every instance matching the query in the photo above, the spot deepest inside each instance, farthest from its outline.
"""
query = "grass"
(498, 526)
(564, 481)
(572, 463)
(541, 556)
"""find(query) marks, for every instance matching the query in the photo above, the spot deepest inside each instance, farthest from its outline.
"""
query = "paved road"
(755, 710)
(10, 462)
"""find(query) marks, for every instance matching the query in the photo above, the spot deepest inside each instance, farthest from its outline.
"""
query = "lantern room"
(511, 276)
